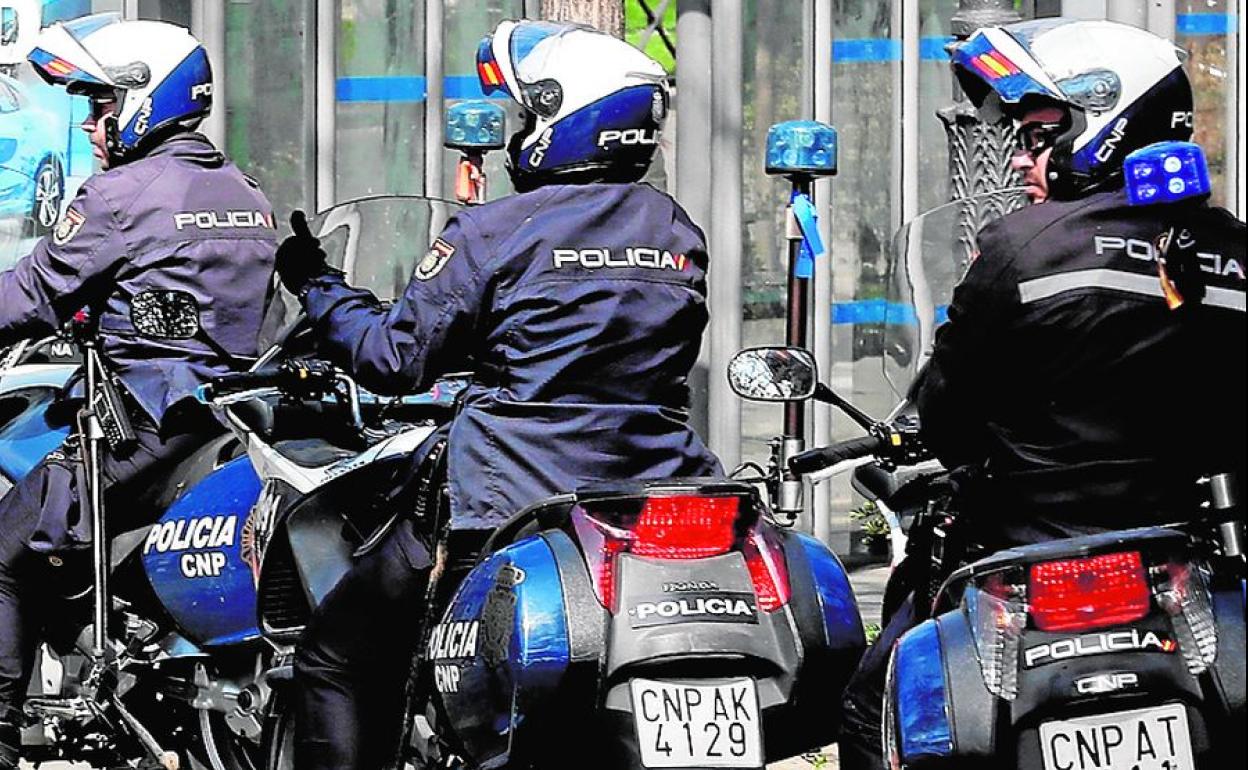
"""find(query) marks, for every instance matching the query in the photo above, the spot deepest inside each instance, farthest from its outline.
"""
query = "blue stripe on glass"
(393, 88)
(880, 311)
(465, 87)
(883, 49)
(413, 88)
(404, 88)
(1204, 23)
(933, 48)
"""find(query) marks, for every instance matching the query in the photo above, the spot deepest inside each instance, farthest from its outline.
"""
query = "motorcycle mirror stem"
(826, 395)
(474, 128)
(800, 151)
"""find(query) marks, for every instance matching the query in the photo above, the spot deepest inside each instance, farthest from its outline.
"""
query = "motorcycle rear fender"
(937, 698)
(1228, 672)
(502, 658)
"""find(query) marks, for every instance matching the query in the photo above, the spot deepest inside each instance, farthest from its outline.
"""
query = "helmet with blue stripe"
(157, 73)
(1122, 87)
(593, 104)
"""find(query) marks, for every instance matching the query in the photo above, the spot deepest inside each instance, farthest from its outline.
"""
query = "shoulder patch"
(439, 254)
(68, 227)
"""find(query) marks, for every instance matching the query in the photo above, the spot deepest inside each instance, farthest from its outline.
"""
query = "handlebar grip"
(825, 457)
(239, 382)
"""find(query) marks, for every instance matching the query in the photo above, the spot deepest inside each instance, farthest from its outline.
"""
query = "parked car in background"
(32, 161)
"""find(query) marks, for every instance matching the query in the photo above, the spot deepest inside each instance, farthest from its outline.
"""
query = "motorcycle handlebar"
(228, 384)
(825, 457)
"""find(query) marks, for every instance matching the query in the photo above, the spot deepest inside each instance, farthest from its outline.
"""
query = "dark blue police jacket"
(581, 308)
(182, 217)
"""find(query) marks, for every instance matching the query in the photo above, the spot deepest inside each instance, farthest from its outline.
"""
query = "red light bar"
(1081, 594)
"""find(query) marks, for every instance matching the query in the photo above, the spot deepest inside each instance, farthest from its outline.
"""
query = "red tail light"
(685, 527)
(770, 575)
(1080, 594)
(679, 527)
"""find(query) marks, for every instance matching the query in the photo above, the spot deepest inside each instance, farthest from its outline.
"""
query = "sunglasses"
(101, 108)
(1035, 138)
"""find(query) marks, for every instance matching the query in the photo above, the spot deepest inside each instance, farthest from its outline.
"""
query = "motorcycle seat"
(312, 452)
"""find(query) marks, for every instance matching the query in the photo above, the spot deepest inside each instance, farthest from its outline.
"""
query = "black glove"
(300, 257)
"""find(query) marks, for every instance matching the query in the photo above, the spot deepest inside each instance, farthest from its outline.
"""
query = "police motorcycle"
(206, 604)
(151, 649)
(1117, 651)
(648, 624)
(625, 625)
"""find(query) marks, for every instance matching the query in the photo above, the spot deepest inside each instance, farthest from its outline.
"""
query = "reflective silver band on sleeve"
(1118, 280)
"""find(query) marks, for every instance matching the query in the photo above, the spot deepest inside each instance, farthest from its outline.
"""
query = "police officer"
(167, 211)
(1084, 399)
(580, 302)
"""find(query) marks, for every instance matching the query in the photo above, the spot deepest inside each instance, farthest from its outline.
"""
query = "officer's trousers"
(354, 660)
(27, 578)
(862, 737)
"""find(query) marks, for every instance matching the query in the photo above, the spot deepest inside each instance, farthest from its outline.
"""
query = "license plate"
(698, 725)
(1144, 739)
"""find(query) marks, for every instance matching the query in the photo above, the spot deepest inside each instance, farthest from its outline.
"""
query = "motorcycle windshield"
(927, 258)
(376, 241)
(29, 209)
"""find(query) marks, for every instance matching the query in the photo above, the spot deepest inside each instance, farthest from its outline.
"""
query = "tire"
(220, 747)
(47, 197)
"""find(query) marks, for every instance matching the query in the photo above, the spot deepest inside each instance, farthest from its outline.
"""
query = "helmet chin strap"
(112, 140)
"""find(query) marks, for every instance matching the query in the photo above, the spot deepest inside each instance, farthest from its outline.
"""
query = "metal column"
(208, 24)
(1236, 178)
(821, 500)
(909, 117)
(326, 103)
(1131, 12)
(726, 221)
(693, 159)
(433, 97)
(1159, 18)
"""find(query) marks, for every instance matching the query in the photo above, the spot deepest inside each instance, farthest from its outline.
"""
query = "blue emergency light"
(474, 126)
(801, 148)
(1166, 172)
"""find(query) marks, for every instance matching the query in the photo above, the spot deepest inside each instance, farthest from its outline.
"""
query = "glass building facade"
(328, 100)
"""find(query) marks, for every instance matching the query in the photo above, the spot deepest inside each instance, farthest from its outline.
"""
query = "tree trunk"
(604, 15)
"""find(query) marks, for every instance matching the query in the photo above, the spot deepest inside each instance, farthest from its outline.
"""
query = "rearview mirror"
(773, 374)
(165, 314)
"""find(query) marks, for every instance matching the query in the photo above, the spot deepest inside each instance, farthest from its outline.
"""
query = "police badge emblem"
(68, 227)
(439, 254)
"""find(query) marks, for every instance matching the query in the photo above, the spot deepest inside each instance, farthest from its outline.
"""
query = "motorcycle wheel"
(220, 748)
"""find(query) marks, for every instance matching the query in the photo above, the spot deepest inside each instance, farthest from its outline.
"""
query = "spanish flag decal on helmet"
(993, 65)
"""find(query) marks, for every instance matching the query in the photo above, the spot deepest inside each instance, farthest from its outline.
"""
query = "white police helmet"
(158, 73)
(1123, 87)
(594, 105)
